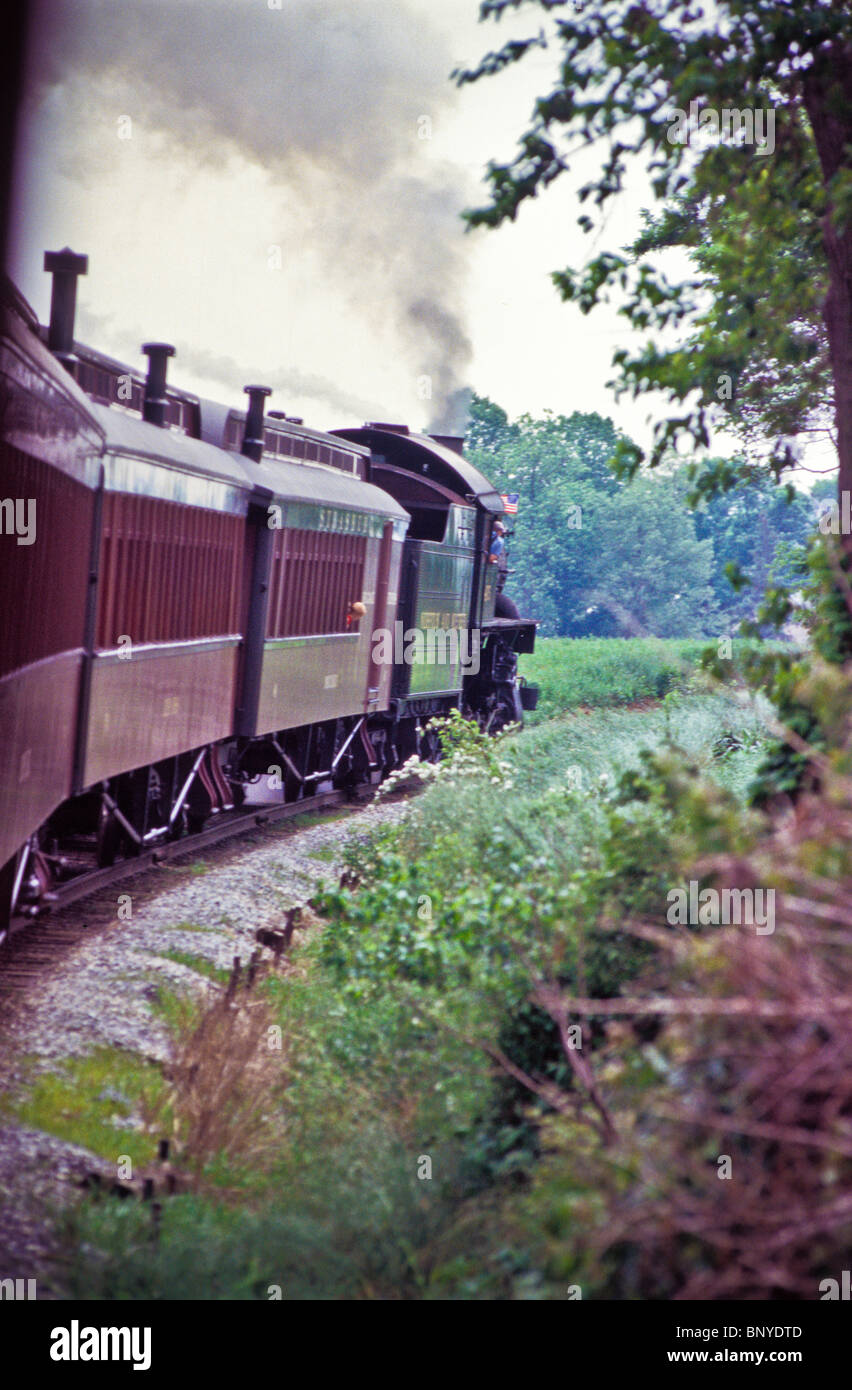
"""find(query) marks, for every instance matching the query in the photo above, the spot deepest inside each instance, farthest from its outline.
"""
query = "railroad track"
(34, 943)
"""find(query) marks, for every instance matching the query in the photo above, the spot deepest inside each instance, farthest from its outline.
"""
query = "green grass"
(307, 820)
(171, 1006)
(196, 926)
(591, 750)
(600, 671)
(326, 854)
(200, 964)
(85, 1100)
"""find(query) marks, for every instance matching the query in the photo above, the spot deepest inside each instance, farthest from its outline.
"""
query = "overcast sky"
(253, 184)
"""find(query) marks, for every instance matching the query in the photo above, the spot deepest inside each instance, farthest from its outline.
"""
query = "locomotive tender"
(191, 597)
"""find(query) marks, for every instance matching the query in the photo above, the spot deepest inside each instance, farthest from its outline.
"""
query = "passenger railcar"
(50, 464)
(195, 624)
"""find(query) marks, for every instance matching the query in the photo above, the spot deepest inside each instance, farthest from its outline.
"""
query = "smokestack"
(156, 403)
(65, 266)
(253, 437)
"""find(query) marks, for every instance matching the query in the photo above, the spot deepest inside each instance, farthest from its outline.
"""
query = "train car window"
(169, 572)
(315, 577)
(427, 523)
(55, 572)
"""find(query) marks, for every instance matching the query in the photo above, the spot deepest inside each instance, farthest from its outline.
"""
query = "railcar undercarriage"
(135, 812)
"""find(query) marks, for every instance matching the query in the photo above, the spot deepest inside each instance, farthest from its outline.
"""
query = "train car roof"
(419, 453)
(215, 417)
(129, 436)
(47, 414)
(317, 482)
(13, 299)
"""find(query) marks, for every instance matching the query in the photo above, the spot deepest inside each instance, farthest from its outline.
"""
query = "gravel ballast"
(98, 993)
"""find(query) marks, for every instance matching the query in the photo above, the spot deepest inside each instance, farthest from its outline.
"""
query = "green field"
(598, 671)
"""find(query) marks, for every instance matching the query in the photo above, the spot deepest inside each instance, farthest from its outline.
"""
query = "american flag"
(510, 503)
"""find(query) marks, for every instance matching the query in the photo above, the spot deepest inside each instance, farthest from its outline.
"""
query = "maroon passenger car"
(49, 475)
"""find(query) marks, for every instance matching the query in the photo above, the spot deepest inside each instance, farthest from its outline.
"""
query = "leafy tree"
(488, 427)
(655, 574)
(758, 361)
(592, 556)
(758, 530)
(823, 488)
(626, 67)
(578, 446)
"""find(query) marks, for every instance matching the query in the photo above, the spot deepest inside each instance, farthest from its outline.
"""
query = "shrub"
(726, 1167)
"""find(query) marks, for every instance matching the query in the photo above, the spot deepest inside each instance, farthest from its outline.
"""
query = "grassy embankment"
(380, 1151)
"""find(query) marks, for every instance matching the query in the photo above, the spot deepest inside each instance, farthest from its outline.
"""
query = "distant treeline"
(595, 556)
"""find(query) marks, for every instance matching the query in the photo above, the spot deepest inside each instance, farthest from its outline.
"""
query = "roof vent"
(253, 436)
(65, 266)
(282, 415)
(155, 406)
(392, 429)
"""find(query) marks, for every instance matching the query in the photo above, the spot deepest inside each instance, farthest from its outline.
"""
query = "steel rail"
(227, 824)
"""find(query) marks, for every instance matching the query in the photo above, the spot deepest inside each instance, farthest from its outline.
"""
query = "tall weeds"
(227, 1080)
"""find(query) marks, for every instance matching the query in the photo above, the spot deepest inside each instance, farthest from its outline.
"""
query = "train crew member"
(503, 605)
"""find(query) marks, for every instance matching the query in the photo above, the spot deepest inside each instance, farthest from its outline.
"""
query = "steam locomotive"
(192, 597)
